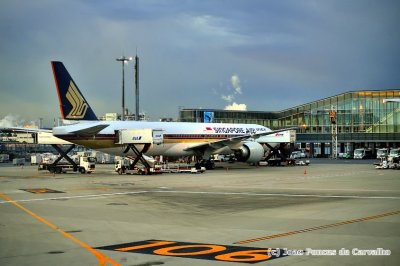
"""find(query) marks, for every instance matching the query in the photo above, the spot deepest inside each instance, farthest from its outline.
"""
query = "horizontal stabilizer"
(90, 130)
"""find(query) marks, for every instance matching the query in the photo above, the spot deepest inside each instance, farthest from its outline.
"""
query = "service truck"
(382, 153)
(86, 164)
(125, 166)
(363, 153)
(4, 158)
(394, 154)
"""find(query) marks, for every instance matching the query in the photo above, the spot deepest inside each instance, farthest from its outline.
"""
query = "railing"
(383, 119)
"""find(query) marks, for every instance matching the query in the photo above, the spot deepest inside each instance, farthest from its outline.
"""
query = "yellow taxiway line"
(102, 259)
(318, 227)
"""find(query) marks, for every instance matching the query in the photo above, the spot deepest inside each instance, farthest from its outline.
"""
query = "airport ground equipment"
(182, 168)
(4, 158)
(363, 153)
(382, 153)
(277, 153)
(84, 165)
(303, 163)
(36, 159)
(126, 166)
(298, 155)
(385, 163)
(394, 153)
(139, 141)
(19, 161)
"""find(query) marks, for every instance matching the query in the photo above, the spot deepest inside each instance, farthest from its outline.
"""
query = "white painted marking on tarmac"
(79, 196)
(207, 193)
(321, 189)
(276, 194)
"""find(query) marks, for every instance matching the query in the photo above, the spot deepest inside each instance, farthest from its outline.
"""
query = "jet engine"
(250, 152)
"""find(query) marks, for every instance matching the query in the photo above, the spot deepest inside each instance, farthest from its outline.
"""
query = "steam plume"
(237, 90)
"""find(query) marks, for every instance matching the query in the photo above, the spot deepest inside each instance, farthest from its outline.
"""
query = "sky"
(258, 55)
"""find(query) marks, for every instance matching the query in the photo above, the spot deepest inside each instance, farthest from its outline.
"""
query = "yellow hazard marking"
(102, 259)
(41, 190)
(319, 227)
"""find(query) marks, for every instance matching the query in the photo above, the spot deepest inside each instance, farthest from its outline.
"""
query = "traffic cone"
(305, 171)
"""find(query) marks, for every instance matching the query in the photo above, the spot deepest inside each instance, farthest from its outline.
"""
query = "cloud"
(236, 107)
(228, 98)
(236, 84)
(236, 90)
(217, 31)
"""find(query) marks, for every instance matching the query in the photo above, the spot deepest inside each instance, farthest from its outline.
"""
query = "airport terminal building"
(363, 119)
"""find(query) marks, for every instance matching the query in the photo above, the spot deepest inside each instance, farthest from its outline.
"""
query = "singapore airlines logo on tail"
(79, 105)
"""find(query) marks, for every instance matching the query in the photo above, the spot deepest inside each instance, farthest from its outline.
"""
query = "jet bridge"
(139, 137)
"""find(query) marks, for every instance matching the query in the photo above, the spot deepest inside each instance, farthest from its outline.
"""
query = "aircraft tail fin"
(73, 105)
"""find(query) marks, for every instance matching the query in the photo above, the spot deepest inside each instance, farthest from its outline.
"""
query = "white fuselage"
(178, 137)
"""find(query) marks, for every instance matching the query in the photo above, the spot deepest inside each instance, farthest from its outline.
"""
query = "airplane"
(138, 139)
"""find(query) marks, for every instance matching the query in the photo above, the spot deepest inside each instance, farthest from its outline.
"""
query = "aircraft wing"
(234, 141)
(23, 130)
(92, 130)
(39, 135)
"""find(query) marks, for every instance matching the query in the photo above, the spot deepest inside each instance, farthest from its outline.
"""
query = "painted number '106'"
(199, 251)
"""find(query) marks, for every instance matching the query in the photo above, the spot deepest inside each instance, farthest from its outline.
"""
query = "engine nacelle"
(250, 152)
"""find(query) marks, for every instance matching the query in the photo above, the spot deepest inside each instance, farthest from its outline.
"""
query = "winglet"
(73, 106)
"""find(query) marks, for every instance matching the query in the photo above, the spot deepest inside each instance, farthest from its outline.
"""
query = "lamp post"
(137, 87)
(124, 60)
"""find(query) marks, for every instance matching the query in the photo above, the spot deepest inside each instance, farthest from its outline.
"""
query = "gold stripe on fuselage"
(109, 143)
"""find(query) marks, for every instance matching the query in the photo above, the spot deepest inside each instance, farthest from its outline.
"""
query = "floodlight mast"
(137, 118)
(334, 131)
(124, 60)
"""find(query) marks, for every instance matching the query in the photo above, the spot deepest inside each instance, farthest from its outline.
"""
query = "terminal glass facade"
(362, 119)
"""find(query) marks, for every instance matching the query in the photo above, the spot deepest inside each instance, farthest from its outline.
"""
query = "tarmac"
(328, 213)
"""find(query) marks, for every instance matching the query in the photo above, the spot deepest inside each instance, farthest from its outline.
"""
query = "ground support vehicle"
(385, 163)
(363, 153)
(125, 166)
(297, 155)
(303, 163)
(182, 168)
(382, 153)
(394, 153)
(4, 158)
(85, 165)
(19, 161)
